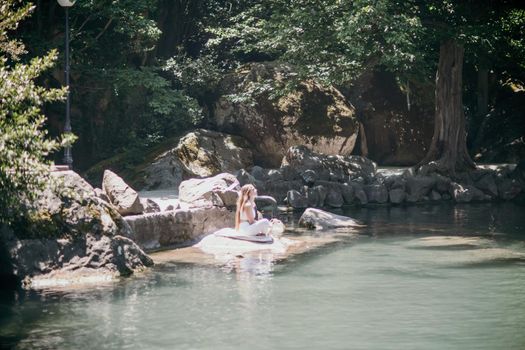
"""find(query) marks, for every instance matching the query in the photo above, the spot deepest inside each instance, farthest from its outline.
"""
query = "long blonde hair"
(244, 196)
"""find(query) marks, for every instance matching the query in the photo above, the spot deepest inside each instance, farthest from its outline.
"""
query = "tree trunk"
(449, 144)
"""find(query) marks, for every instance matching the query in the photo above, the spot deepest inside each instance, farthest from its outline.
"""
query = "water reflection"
(374, 291)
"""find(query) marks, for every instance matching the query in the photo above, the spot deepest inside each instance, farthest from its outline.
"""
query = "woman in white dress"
(246, 214)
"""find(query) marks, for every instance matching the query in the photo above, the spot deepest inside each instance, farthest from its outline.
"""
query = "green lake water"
(388, 288)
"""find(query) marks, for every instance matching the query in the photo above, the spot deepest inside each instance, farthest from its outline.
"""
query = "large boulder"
(312, 114)
(207, 153)
(165, 172)
(71, 237)
(321, 220)
(220, 190)
(125, 199)
(200, 153)
(463, 193)
(418, 187)
(336, 167)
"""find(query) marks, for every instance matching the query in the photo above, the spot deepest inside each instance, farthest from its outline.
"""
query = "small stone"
(435, 196)
(397, 195)
(376, 193)
(334, 199)
(309, 177)
(275, 175)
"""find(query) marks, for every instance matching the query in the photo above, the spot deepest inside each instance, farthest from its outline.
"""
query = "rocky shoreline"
(106, 233)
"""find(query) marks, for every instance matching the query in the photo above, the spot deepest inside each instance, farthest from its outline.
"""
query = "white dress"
(259, 226)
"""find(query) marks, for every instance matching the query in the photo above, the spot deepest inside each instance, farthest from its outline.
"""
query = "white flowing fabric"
(260, 226)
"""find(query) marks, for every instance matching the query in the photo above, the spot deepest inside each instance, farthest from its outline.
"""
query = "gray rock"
(49, 262)
(296, 200)
(334, 199)
(178, 227)
(397, 195)
(83, 237)
(275, 175)
(360, 194)
(245, 177)
(346, 190)
(206, 153)
(395, 182)
(165, 172)
(102, 195)
(376, 193)
(289, 173)
(337, 176)
(302, 159)
(357, 179)
(312, 114)
(219, 190)
(279, 189)
(150, 206)
(265, 202)
(519, 173)
(309, 177)
(316, 196)
(435, 196)
(508, 188)
(125, 199)
(321, 220)
(201, 153)
(487, 184)
(419, 186)
(442, 183)
(348, 193)
(259, 173)
(465, 193)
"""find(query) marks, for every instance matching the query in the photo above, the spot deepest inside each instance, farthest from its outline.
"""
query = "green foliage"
(332, 41)
(199, 77)
(24, 144)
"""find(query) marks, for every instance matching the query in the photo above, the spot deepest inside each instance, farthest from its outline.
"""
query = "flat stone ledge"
(164, 230)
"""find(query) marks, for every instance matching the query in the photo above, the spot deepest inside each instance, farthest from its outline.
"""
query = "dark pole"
(68, 157)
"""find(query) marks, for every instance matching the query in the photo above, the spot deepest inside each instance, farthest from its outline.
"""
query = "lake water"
(392, 287)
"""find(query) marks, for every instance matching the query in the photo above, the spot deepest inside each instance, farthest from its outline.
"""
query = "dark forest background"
(146, 71)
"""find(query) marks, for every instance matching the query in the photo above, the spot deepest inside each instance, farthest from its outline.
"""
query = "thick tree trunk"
(449, 144)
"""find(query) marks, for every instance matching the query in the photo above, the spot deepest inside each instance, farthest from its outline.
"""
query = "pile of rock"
(74, 236)
(308, 179)
(207, 205)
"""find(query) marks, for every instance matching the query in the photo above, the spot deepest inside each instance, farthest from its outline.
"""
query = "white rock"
(220, 190)
(125, 199)
(322, 220)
